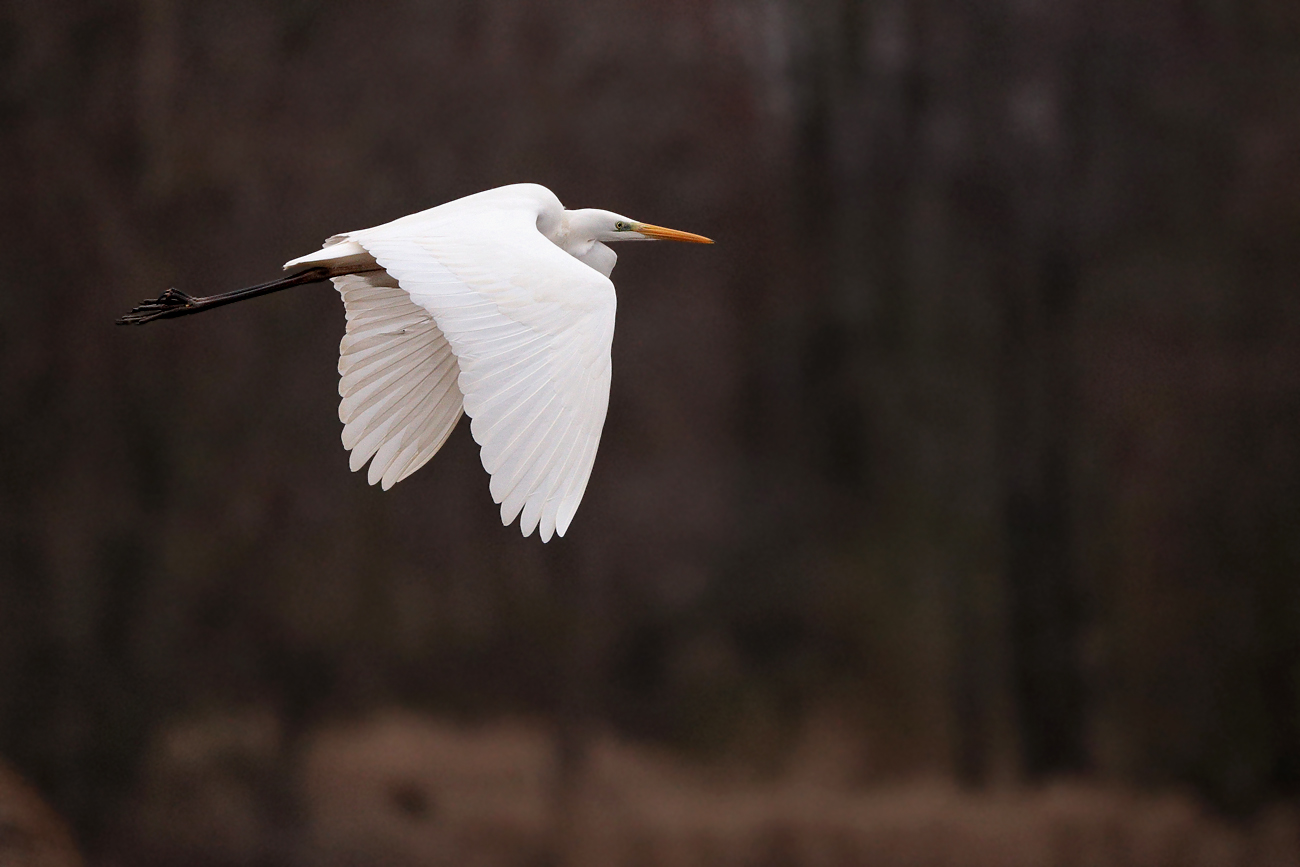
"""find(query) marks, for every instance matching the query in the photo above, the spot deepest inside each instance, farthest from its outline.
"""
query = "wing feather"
(420, 434)
(384, 421)
(530, 328)
(556, 481)
(398, 424)
(397, 379)
(366, 375)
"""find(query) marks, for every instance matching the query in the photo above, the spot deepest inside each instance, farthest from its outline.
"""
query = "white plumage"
(498, 305)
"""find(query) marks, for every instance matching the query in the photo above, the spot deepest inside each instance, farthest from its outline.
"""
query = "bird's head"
(593, 224)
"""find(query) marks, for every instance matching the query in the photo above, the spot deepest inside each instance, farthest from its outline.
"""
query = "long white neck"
(577, 231)
(577, 236)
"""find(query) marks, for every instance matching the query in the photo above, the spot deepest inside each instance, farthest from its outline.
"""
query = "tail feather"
(340, 255)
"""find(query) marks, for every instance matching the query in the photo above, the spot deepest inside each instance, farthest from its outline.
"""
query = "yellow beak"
(659, 233)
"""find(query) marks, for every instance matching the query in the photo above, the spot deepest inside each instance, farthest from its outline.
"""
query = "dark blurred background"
(951, 502)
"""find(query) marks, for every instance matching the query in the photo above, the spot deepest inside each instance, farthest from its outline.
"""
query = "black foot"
(171, 303)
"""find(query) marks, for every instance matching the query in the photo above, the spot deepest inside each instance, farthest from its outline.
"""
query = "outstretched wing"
(531, 328)
(397, 379)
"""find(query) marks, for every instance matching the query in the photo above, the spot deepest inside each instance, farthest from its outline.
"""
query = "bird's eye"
(620, 226)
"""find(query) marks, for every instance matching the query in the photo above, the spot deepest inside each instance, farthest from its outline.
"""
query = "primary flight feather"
(498, 305)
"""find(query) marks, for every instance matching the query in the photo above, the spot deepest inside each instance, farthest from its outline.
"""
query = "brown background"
(968, 454)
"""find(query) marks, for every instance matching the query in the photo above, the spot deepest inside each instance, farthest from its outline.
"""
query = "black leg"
(174, 302)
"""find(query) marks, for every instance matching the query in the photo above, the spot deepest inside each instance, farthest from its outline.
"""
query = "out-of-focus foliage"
(976, 429)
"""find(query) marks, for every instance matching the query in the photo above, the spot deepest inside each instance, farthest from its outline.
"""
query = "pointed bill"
(659, 233)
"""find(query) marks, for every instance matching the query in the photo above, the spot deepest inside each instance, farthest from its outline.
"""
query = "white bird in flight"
(498, 305)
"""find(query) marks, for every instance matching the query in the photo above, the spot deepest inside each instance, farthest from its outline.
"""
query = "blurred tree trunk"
(578, 577)
(1039, 131)
(1044, 610)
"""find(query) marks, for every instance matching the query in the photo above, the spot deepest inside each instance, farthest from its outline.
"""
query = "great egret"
(498, 305)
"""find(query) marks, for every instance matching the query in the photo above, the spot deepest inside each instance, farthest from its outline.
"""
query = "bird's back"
(344, 256)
